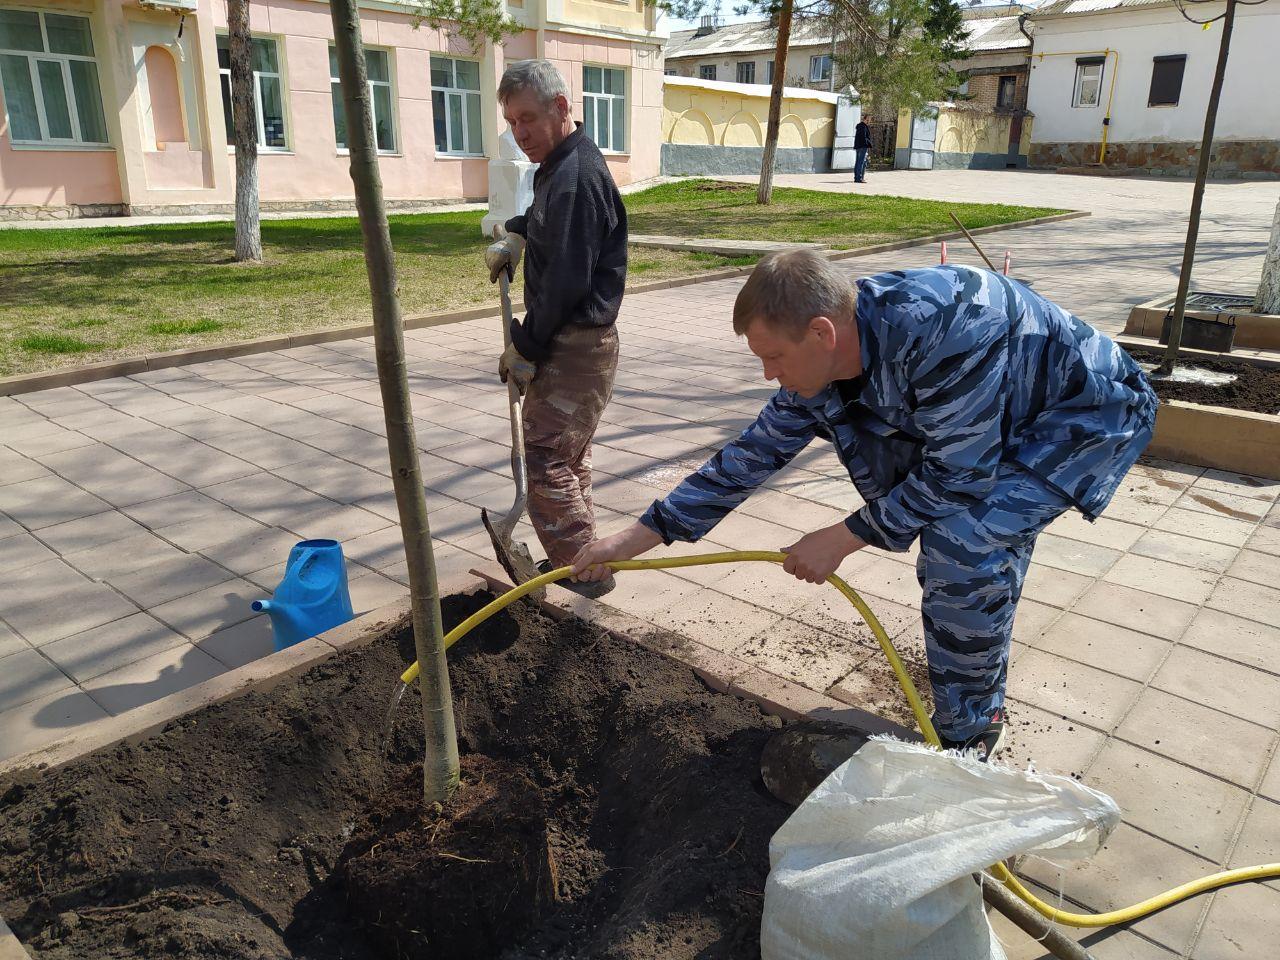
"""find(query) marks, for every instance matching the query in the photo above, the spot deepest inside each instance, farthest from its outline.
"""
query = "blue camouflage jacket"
(962, 369)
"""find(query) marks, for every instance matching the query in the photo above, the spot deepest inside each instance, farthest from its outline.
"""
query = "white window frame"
(279, 74)
(610, 97)
(467, 96)
(64, 62)
(815, 68)
(389, 83)
(1078, 86)
(739, 70)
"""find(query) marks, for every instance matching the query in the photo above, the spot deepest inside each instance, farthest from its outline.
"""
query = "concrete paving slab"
(153, 678)
(110, 646)
(1069, 689)
(41, 721)
(199, 614)
(240, 644)
(22, 551)
(1105, 646)
(1196, 736)
(48, 500)
(27, 676)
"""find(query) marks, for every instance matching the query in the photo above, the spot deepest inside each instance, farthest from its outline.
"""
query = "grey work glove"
(513, 364)
(504, 254)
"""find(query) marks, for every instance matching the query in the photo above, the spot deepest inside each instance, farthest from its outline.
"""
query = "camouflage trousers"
(561, 411)
(971, 567)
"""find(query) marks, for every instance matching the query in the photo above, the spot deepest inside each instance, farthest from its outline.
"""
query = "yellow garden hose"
(1264, 871)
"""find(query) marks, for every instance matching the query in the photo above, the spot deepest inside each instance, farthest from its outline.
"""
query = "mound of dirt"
(1255, 388)
(616, 800)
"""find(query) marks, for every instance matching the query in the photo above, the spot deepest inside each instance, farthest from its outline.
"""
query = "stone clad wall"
(1232, 159)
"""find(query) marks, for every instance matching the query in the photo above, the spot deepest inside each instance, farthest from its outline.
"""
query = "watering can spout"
(286, 618)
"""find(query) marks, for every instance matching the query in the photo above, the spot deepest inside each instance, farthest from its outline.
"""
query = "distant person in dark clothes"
(564, 353)
(861, 145)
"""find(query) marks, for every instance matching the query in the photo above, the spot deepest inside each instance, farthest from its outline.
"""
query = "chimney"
(707, 25)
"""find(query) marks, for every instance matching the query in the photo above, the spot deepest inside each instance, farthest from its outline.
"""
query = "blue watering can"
(313, 596)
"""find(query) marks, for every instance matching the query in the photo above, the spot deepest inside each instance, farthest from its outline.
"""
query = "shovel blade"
(514, 555)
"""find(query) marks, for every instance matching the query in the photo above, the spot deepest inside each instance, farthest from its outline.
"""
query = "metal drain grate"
(1219, 303)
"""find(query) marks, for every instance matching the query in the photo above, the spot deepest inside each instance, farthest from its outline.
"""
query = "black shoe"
(985, 745)
(592, 589)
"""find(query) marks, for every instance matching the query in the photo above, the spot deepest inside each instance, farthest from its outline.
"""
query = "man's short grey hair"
(786, 290)
(540, 76)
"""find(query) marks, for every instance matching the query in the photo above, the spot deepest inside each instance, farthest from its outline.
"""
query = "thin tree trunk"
(244, 124)
(440, 764)
(1197, 197)
(1268, 299)
(764, 194)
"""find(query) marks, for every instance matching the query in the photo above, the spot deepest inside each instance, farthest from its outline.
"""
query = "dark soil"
(611, 807)
(1255, 388)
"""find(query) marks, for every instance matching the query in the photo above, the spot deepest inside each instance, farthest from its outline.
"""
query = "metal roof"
(755, 35)
(994, 33)
(1066, 8)
(989, 29)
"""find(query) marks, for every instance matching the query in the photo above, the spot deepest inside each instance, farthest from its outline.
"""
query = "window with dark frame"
(706, 71)
(1166, 80)
(1006, 92)
(746, 71)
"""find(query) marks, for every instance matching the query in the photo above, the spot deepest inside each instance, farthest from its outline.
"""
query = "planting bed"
(611, 807)
(1255, 388)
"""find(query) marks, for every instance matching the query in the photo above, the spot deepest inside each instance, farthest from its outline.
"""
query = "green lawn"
(75, 296)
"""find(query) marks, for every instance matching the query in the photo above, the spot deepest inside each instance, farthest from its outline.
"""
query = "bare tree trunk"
(244, 122)
(1197, 197)
(1268, 299)
(440, 763)
(764, 194)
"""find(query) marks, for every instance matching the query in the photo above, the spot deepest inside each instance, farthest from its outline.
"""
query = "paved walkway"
(141, 515)
(1128, 251)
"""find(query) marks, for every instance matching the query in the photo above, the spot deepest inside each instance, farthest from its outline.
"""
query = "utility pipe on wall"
(1111, 91)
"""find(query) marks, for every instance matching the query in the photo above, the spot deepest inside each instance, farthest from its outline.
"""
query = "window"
(378, 66)
(1088, 89)
(1166, 80)
(707, 71)
(50, 79)
(268, 91)
(455, 106)
(670, 73)
(1006, 91)
(747, 71)
(768, 72)
(820, 68)
(604, 107)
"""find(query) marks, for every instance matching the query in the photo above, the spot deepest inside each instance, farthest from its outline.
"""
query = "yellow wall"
(968, 130)
(628, 16)
(704, 117)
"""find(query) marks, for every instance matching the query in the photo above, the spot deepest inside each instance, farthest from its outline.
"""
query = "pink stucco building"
(121, 106)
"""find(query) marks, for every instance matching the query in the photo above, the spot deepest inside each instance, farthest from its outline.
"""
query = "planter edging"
(1238, 441)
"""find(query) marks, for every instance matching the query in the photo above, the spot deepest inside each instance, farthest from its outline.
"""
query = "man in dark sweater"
(861, 144)
(564, 353)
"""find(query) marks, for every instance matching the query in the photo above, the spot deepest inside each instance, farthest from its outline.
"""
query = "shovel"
(512, 554)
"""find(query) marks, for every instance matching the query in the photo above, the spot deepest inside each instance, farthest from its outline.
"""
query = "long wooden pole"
(440, 762)
(1197, 197)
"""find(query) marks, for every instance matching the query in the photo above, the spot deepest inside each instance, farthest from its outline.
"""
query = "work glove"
(513, 364)
(504, 254)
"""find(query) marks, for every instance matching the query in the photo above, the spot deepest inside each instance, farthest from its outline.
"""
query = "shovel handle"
(515, 407)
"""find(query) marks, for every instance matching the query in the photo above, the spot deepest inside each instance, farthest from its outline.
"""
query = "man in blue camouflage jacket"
(969, 412)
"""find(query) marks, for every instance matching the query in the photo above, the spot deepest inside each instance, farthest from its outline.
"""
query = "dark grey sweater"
(575, 257)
